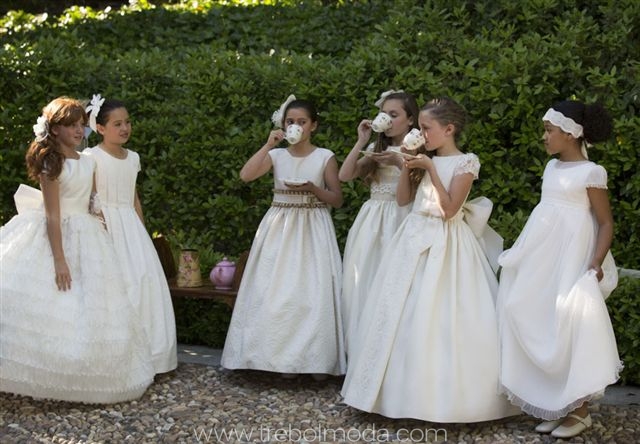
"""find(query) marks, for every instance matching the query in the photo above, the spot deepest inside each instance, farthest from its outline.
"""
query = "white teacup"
(381, 123)
(413, 140)
(293, 133)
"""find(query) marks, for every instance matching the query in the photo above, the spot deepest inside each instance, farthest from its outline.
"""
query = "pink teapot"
(222, 274)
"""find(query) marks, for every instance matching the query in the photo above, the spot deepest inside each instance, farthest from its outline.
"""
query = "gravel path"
(196, 402)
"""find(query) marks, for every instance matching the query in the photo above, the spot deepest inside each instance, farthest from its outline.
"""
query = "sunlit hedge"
(201, 80)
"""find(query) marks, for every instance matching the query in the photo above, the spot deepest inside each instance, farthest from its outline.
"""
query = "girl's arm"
(602, 211)
(405, 193)
(51, 197)
(448, 201)
(332, 194)
(138, 206)
(352, 166)
(260, 163)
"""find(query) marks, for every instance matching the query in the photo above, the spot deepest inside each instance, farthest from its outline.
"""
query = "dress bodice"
(76, 180)
(387, 178)
(447, 167)
(566, 183)
(115, 178)
(310, 167)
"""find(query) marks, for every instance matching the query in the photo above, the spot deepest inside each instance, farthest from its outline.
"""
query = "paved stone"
(201, 402)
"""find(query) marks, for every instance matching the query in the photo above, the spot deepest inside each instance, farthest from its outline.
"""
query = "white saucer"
(292, 182)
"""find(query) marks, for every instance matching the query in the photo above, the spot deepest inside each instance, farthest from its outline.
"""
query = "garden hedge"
(201, 79)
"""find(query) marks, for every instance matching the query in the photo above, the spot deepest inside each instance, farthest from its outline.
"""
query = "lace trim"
(468, 164)
(383, 189)
(596, 185)
(298, 205)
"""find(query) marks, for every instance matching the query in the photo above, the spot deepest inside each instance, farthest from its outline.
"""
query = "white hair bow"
(93, 109)
(278, 115)
(384, 96)
(41, 129)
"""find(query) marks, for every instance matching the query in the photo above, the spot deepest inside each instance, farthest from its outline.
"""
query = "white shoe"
(548, 426)
(571, 431)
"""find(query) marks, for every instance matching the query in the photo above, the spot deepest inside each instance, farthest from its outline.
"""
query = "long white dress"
(558, 346)
(116, 185)
(428, 341)
(83, 344)
(374, 226)
(287, 314)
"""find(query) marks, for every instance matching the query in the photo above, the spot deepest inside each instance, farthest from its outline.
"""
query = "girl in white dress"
(287, 315)
(116, 171)
(67, 328)
(380, 216)
(558, 347)
(427, 346)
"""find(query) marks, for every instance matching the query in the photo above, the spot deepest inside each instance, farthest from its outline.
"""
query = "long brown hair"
(44, 154)
(410, 106)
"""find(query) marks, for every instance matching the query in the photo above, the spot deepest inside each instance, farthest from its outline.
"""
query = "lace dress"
(374, 226)
(427, 346)
(83, 344)
(287, 315)
(116, 185)
(558, 346)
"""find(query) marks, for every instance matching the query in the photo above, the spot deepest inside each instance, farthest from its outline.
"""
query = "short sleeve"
(597, 178)
(137, 162)
(469, 163)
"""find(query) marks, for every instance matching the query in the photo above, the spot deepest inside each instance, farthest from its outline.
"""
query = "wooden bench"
(208, 290)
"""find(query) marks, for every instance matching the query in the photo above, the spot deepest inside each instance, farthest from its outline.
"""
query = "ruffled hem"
(550, 415)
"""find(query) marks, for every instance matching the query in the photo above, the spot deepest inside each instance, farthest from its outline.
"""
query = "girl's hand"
(63, 275)
(307, 186)
(388, 158)
(420, 161)
(275, 137)
(364, 131)
(598, 270)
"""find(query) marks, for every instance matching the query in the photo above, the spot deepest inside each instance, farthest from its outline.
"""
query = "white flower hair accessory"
(278, 115)
(93, 109)
(384, 96)
(41, 129)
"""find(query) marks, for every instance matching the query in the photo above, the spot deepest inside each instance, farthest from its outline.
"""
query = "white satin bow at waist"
(476, 213)
(28, 198)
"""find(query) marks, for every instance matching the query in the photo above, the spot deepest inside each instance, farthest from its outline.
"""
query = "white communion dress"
(558, 346)
(116, 185)
(287, 314)
(83, 344)
(374, 226)
(427, 346)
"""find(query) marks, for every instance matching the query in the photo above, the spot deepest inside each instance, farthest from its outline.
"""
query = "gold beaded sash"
(297, 199)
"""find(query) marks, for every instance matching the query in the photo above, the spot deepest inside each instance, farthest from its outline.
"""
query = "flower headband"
(41, 129)
(568, 125)
(278, 115)
(384, 96)
(93, 109)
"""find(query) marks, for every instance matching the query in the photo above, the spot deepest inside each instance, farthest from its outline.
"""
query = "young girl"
(68, 331)
(558, 347)
(428, 339)
(286, 318)
(116, 172)
(380, 216)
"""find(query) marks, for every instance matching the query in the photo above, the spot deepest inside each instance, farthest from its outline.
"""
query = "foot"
(572, 426)
(548, 426)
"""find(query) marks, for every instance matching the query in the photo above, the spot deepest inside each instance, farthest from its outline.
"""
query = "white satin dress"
(558, 346)
(84, 344)
(287, 314)
(374, 226)
(428, 341)
(116, 186)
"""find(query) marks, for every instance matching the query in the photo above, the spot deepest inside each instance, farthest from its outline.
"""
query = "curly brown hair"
(45, 156)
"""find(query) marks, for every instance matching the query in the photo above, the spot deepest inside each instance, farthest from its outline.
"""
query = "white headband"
(278, 114)
(384, 96)
(566, 124)
(93, 109)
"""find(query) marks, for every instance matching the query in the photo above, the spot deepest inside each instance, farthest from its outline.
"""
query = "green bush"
(201, 79)
(624, 309)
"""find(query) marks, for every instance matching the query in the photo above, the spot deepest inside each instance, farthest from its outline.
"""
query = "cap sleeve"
(597, 178)
(469, 163)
